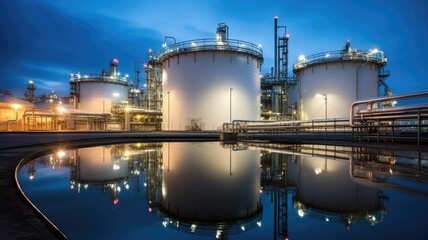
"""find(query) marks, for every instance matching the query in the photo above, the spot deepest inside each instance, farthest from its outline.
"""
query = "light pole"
(16, 107)
(323, 95)
(230, 105)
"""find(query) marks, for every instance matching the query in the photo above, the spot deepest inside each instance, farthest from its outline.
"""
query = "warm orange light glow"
(16, 106)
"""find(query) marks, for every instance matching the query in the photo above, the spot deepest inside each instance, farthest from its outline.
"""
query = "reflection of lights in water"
(301, 213)
(193, 228)
(259, 223)
(150, 209)
(115, 201)
(318, 171)
(163, 191)
(118, 188)
(61, 153)
(31, 177)
(165, 223)
(243, 228)
(327, 220)
(218, 234)
(116, 166)
(145, 184)
(85, 186)
(127, 186)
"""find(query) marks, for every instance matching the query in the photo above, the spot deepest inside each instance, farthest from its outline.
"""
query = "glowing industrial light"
(259, 223)
(193, 227)
(327, 55)
(85, 186)
(319, 95)
(302, 58)
(127, 75)
(115, 60)
(116, 95)
(259, 45)
(318, 171)
(31, 177)
(327, 220)
(150, 210)
(165, 223)
(287, 35)
(16, 106)
(60, 109)
(85, 76)
(193, 44)
(30, 82)
(150, 50)
(118, 73)
(243, 228)
(115, 201)
(164, 44)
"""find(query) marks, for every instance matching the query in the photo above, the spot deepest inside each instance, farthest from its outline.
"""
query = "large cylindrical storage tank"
(97, 95)
(208, 185)
(329, 82)
(207, 82)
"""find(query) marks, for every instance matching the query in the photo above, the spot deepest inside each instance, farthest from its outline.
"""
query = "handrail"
(372, 101)
(339, 55)
(211, 44)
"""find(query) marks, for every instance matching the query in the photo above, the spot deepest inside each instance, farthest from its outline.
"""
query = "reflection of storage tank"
(208, 81)
(325, 189)
(329, 82)
(210, 190)
(100, 165)
(96, 92)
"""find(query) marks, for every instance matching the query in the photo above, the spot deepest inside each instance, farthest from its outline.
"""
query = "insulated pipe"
(383, 99)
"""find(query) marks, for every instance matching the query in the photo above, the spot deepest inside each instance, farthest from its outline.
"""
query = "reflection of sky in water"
(92, 213)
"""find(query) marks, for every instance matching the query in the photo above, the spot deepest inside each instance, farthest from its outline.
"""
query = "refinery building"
(197, 85)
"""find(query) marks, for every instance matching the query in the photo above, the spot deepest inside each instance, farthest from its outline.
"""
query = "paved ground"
(18, 219)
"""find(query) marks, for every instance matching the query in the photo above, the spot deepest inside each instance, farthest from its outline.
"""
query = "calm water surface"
(209, 191)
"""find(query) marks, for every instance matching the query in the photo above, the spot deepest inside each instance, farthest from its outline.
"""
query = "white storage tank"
(96, 93)
(207, 82)
(328, 83)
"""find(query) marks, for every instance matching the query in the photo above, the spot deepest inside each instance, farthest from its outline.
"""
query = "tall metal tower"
(29, 94)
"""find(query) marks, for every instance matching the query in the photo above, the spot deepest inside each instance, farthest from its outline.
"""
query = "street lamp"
(323, 95)
(230, 105)
(16, 107)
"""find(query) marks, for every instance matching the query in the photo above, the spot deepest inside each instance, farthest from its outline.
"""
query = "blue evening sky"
(46, 40)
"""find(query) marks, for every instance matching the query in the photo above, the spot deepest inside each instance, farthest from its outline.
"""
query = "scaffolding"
(153, 84)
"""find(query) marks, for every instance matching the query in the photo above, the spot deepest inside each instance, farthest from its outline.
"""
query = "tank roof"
(211, 44)
(371, 56)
